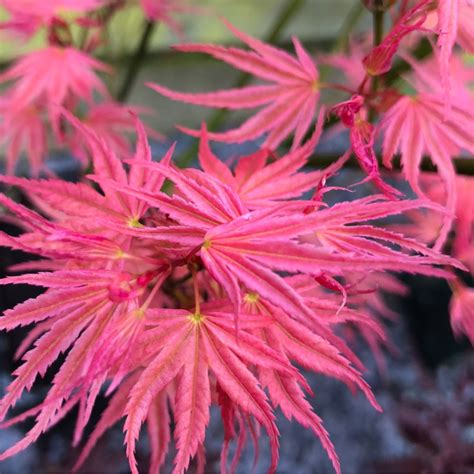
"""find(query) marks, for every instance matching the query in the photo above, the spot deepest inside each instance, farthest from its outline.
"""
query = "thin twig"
(137, 61)
(463, 166)
(377, 25)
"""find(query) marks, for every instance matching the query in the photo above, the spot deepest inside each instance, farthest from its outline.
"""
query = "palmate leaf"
(199, 344)
(253, 246)
(65, 200)
(83, 310)
(417, 126)
(259, 184)
(193, 398)
(289, 105)
(270, 268)
(58, 339)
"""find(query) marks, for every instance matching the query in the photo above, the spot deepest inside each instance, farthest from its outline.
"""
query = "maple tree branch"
(378, 15)
(378, 23)
(463, 166)
(137, 60)
(197, 295)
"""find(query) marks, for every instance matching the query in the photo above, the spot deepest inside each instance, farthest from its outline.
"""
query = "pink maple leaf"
(113, 301)
(23, 130)
(65, 201)
(88, 309)
(455, 20)
(416, 126)
(259, 184)
(67, 75)
(29, 15)
(196, 344)
(289, 102)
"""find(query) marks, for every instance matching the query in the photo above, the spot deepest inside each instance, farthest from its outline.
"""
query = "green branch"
(136, 61)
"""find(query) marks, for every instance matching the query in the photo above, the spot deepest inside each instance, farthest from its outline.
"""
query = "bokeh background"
(427, 386)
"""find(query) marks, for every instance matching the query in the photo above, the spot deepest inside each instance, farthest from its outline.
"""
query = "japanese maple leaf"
(74, 203)
(189, 346)
(29, 15)
(98, 313)
(416, 126)
(97, 304)
(66, 74)
(23, 130)
(260, 184)
(289, 102)
(164, 11)
(251, 248)
(455, 20)
(207, 344)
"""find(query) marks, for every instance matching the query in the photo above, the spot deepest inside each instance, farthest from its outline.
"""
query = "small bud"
(347, 110)
(59, 33)
(378, 5)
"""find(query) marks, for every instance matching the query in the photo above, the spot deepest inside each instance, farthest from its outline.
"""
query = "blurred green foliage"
(317, 19)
